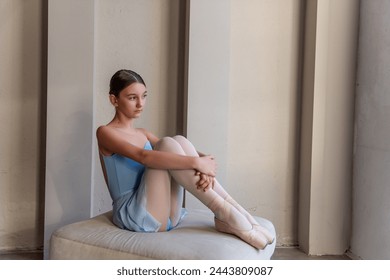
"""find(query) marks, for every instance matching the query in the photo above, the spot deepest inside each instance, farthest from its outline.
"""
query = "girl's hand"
(205, 182)
(207, 165)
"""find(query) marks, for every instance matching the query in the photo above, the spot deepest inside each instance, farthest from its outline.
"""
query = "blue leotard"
(125, 178)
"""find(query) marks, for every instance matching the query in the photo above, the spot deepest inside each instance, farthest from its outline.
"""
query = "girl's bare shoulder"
(102, 130)
(106, 131)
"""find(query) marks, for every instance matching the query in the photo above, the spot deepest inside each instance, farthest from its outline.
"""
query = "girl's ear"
(113, 100)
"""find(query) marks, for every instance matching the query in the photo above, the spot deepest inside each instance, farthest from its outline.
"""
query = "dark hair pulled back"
(122, 79)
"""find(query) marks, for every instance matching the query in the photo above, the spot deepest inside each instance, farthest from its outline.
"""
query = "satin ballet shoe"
(249, 236)
(267, 235)
(257, 227)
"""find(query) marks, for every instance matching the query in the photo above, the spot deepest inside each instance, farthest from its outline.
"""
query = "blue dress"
(126, 184)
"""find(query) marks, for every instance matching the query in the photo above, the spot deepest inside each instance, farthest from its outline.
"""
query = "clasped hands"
(205, 182)
(206, 173)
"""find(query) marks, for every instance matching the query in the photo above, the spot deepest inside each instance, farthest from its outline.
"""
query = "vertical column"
(69, 113)
(371, 177)
(208, 80)
(327, 126)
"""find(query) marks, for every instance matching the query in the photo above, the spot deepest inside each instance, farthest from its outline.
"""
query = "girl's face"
(131, 100)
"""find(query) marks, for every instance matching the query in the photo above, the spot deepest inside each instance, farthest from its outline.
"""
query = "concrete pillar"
(371, 190)
(69, 113)
(327, 126)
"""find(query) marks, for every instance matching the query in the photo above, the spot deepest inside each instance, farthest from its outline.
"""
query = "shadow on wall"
(43, 110)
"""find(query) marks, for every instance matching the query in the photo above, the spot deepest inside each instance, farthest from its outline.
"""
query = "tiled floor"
(280, 254)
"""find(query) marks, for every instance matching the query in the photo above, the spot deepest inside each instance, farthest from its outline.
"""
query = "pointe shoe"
(262, 230)
(249, 236)
(256, 226)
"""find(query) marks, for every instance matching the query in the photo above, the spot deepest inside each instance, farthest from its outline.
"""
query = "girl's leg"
(177, 196)
(164, 196)
(173, 197)
(158, 191)
(228, 218)
(189, 149)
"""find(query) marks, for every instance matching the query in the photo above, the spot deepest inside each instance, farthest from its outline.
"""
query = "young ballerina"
(146, 175)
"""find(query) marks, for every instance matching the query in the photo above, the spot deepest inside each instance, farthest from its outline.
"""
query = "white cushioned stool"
(195, 238)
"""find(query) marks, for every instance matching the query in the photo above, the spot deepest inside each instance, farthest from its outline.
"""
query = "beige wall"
(21, 94)
(207, 92)
(264, 110)
(247, 103)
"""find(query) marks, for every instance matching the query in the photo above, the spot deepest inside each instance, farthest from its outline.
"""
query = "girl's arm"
(205, 181)
(111, 140)
(154, 139)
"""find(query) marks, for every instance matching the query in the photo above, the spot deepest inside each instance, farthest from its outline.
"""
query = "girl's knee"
(184, 142)
(179, 138)
(187, 146)
(167, 144)
(166, 141)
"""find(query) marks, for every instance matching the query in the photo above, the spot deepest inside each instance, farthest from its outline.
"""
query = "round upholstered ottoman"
(194, 239)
